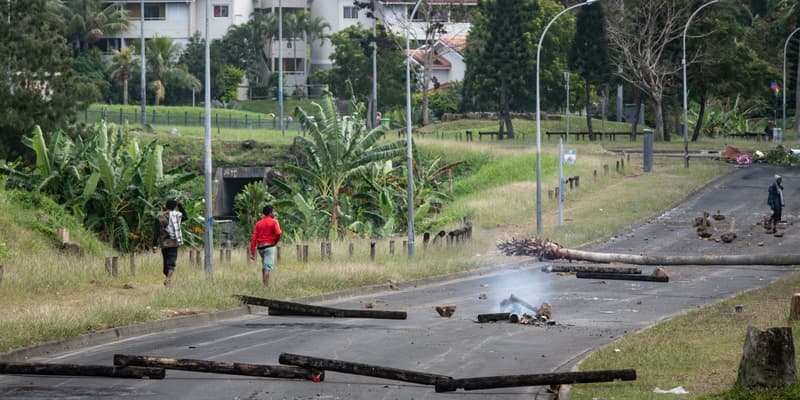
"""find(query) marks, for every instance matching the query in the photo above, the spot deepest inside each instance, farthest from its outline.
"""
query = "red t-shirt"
(267, 231)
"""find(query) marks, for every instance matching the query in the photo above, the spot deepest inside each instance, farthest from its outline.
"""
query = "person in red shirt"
(266, 235)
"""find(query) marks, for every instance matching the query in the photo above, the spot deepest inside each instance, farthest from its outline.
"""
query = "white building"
(181, 19)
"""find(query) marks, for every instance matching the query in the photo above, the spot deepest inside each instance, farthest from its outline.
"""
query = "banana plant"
(336, 152)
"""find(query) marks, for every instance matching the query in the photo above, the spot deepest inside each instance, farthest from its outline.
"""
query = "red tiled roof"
(439, 63)
(456, 43)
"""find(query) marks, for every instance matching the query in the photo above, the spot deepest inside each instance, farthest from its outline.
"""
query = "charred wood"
(591, 268)
(622, 277)
(81, 370)
(494, 317)
(279, 307)
(348, 367)
(556, 378)
(219, 367)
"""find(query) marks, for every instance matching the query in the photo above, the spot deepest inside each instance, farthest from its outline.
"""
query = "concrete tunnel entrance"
(228, 182)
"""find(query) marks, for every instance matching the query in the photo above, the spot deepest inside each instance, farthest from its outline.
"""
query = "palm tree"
(88, 21)
(314, 29)
(162, 63)
(265, 27)
(338, 152)
(121, 69)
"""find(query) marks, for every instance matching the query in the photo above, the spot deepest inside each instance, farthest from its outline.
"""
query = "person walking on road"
(266, 235)
(167, 233)
(775, 201)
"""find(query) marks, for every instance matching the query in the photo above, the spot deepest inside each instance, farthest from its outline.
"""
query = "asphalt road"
(588, 314)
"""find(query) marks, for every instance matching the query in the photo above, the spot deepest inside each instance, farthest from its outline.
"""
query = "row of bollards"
(196, 256)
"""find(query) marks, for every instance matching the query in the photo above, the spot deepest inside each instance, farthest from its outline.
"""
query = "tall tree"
(721, 65)
(162, 63)
(121, 69)
(589, 52)
(641, 38)
(39, 86)
(352, 62)
(90, 20)
(499, 60)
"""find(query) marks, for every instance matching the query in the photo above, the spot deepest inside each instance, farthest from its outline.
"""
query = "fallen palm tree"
(547, 249)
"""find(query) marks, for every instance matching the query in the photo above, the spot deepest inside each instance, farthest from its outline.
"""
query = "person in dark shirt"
(167, 233)
(775, 201)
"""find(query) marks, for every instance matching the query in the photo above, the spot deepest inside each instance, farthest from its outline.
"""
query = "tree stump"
(767, 358)
(794, 313)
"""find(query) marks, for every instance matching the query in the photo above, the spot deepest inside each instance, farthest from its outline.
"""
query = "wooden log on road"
(348, 367)
(544, 248)
(622, 277)
(290, 308)
(220, 367)
(494, 317)
(555, 378)
(27, 368)
(591, 268)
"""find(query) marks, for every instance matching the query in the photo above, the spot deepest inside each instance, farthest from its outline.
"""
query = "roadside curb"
(122, 332)
(207, 318)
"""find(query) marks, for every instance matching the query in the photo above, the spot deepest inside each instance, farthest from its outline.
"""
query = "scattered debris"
(482, 296)
(718, 216)
(676, 390)
(393, 284)
(731, 234)
(369, 305)
(446, 310)
(703, 225)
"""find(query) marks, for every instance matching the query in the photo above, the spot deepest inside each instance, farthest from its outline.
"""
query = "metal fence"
(219, 119)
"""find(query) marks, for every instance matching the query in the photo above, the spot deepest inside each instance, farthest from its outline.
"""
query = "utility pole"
(141, 55)
(620, 108)
(280, 64)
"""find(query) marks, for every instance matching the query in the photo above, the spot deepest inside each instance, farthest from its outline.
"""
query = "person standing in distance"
(266, 235)
(775, 201)
(167, 233)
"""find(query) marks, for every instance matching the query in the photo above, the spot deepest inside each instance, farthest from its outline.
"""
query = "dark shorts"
(170, 256)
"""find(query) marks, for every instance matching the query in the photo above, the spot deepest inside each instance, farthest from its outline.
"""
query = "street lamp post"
(538, 118)
(685, 95)
(143, 89)
(280, 65)
(783, 101)
(208, 250)
(409, 155)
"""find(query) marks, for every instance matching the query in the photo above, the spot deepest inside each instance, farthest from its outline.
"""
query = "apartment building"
(180, 19)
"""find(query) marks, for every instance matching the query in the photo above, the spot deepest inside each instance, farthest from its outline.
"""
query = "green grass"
(699, 351)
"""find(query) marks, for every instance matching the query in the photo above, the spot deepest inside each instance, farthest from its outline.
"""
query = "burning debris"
(516, 310)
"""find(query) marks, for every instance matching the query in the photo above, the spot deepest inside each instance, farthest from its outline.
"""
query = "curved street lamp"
(685, 96)
(783, 102)
(538, 119)
(409, 160)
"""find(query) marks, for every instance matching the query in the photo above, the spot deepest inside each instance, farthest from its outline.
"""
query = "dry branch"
(220, 367)
(551, 250)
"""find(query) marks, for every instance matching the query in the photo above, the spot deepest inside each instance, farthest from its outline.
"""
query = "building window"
(350, 12)
(291, 65)
(154, 12)
(221, 11)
